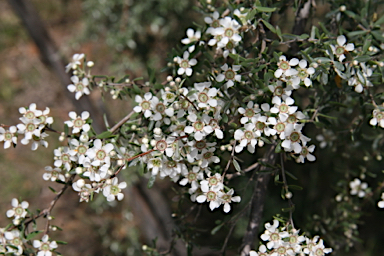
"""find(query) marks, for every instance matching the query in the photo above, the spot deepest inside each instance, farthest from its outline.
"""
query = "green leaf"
(278, 148)
(269, 26)
(138, 78)
(339, 66)
(295, 187)
(54, 191)
(324, 78)
(278, 33)
(323, 60)
(217, 228)
(151, 181)
(378, 35)
(236, 165)
(136, 89)
(356, 33)
(291, 175)
(363, 58)
(104, 135)
(367, 43)
(379, 21)
(61, 242)
(265, 9)
(326, 116)
(33, 234)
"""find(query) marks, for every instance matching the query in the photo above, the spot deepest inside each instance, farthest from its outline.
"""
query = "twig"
(291, 205)
(121, 122)
(46, 212)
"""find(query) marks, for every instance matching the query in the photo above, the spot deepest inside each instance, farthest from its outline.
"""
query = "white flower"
(53, 174)
(193, 177)
(283, 106)
(358, 188)
(30, 130)
(227, 198)
(165, 145)
(210, 194)
(208, 157)
(78, 123)
(378, 118)
(247, 137)
(293, 137)
(306, 153)
(79, 149)
(14, 238)
(304, 73)
(230, 31)
(29, 114)
(160, 110)
(18, 211)
(63, 157)
(99, 154)
(342, 47)
(185, 64)
(205, 95)
(380, 204)
(144, 104)
(213, 21)
(251, 110)
(45, 246)
(44, 118)
(113, 190)
(74, 62)
(317, 249)
(279, 90)
(192, 36)
(199, 128)
(229, 75)
(80, 87)
(85, 190)
(156, 164)
(273, 235)
(285, 67)
(8, 136)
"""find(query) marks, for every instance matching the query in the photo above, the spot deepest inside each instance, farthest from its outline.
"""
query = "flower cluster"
(81, 78)
(182, 149)
(284, 241)
(358, 188)
(34, 123)
(225, 32)
(13, 242)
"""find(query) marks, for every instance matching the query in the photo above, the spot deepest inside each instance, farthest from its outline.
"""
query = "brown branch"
(47, 212)
(121, 122)
(257, 204)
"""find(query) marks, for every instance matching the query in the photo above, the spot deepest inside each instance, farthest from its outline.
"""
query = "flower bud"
(178, 79)
(343, 8)
(90, 64)
(169, 78)
(80, 183)
(157, 131)
(79, 170)
(175, 59)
